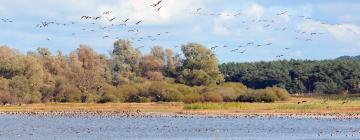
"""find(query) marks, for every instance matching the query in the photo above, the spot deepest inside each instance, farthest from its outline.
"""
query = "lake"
(182, 128)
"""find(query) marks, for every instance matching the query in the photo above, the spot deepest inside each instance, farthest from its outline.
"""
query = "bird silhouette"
(107, 12)
(158, 10)
(282, 13)
(137, 23)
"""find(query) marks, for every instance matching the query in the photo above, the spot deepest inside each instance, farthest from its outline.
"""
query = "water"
(269, 128)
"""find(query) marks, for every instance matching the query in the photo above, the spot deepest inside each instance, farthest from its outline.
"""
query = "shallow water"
(269, 128)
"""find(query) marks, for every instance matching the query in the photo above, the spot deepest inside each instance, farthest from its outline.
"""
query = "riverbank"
(296, 106)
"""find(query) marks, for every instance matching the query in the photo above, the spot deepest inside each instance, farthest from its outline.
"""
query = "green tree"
(200, 66)
(125, 61)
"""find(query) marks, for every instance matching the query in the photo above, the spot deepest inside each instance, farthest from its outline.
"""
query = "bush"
(128, 92)
(258, 96)
(192, 98)
(281, 94)
(111, 92)
(163, 91)
(71, 94)
(89, 98)
(268, 96)
(108, 97)
(212, 97)
(354, 91)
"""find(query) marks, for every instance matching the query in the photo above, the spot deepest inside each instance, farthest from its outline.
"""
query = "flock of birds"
(301, 35)
(108, 25)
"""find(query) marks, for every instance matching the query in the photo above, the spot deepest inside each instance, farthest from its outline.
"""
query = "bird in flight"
(156, 4)
(234, 50)
(111, 19)
(159, 9)
(126, 20)
(197, 10)
(137, 23)
(214, 47)
(279, 56)
(107, 12)
(282, 13)
(237, 14)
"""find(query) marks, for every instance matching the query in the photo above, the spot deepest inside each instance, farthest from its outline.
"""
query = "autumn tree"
(89, 70)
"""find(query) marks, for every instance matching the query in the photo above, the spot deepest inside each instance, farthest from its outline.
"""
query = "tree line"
(126, 75)
(298, 76)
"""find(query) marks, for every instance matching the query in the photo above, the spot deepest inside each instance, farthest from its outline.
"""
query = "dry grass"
(294, 105)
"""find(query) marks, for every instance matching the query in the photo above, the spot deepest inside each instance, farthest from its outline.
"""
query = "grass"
(294, 105)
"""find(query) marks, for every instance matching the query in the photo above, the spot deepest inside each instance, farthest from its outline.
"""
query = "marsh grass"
(293, 105)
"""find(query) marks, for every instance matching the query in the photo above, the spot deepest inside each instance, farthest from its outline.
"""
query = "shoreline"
(139, 114)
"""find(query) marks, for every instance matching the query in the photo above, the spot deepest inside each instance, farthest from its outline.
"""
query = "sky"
(237, 30)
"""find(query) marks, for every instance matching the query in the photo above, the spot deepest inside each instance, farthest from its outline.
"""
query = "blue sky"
(335, 25)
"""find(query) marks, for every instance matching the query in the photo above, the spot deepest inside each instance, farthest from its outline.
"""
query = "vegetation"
(295, 105)
(297, 76)
(126, 75)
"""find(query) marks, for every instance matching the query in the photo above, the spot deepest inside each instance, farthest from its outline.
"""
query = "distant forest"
(127, 75)
(341, 75)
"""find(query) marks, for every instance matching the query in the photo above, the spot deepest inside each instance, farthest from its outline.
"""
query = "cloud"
(221, 23)
(347, 33)
(171, 10)
(254, 10)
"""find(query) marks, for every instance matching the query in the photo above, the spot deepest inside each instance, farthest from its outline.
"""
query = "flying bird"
(159, 9)
(282, 13)
(214, 47)
(107, 12)
(234, 50)
(126, 20)
(237, 14)
(279, 56)
(111, 19)
(156, 4)
(137, 23)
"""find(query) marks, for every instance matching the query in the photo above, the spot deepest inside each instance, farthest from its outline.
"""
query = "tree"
(151, 67)
(89, 70)
(4, 91)
(125, 61)
(200, 66)
(172, 62)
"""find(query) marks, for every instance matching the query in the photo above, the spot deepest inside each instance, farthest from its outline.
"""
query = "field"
(294, 105)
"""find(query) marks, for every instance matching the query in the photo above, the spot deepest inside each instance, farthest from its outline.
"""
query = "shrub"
(111, 92)
(108, 97)
(281, 93)
(163, 91)
(258, 96)
(268, 96)
(144, 100)
(354, 91)
(128, 92)
(154, 76)
(192, 98)
(71, 94)
(89, 98)
(212, 97)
